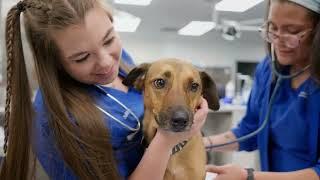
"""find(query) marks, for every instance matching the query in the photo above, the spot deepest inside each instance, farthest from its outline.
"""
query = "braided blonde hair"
(86, 147)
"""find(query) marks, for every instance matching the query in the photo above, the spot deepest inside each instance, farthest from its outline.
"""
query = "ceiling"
(162, 18)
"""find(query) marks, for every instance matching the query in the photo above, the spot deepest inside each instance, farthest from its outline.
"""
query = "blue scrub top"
(290, 141)
(128, 153)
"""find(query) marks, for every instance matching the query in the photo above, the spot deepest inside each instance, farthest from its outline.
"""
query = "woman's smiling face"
(91, 50)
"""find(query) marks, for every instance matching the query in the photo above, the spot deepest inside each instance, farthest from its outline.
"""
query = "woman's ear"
(136, 77)
(209, 91)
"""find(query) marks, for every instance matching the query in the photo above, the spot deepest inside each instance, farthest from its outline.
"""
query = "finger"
(203, 103)
(202, 113)
(203, 106)
(214, 169)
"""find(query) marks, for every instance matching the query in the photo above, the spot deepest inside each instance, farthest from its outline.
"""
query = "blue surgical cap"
(313, 5)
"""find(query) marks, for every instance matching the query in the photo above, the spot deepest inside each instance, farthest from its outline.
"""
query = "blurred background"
(218, 36)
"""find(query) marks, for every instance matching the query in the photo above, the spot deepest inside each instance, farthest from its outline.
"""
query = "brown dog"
(172, 90)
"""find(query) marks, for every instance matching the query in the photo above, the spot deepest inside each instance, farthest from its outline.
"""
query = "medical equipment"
(232, 29)
(128, 112)
(280, 78)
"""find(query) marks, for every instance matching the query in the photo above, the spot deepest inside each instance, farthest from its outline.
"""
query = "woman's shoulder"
(38, 100)
(264, 67)
(41, 113)
(313, 90)
(125, 56)
(263, 71)
(128, 61)
(38, 104)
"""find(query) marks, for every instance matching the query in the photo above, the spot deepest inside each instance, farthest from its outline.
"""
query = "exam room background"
(156, 37)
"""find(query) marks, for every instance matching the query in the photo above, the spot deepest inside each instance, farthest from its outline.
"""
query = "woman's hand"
(207, 141)
(173, 138)
(228, 172)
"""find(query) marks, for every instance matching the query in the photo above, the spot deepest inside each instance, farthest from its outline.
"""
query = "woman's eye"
(159, 83)
(82, 59)
(272, 28)
(108, 42)
(194, 87)
(293, 31)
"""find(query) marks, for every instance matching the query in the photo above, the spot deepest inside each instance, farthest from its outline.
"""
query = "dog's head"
(172, 90)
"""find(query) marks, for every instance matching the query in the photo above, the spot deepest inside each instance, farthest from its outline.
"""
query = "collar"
(178, 147)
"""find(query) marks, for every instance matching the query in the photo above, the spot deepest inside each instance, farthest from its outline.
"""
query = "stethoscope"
(279, 79)
(134, 130)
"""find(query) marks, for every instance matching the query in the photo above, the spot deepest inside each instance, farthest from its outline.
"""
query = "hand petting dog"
(199, 119)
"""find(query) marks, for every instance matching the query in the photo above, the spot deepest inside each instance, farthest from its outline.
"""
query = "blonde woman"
(84, 123)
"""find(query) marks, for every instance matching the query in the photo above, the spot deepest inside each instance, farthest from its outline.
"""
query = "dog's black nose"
(179, 120)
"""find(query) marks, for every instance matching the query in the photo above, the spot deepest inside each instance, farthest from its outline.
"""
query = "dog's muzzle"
(176, 119)
(179, 120)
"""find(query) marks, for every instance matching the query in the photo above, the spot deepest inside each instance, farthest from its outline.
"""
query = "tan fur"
(189, 163)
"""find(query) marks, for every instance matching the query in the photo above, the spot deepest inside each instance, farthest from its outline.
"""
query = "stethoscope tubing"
(135, 129)
(280, 78)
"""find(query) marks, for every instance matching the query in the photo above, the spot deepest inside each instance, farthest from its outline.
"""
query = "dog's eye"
(159, 83)
(194, 87)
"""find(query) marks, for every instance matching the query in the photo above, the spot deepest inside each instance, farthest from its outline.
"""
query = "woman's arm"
(154, 161)
(309, 174)
(250, 122)
(221, 139)
(236, 172)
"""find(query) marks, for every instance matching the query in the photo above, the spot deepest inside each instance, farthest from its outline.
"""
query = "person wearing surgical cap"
(289, 144)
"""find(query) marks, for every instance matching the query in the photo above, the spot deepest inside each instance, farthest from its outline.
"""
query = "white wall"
(201, 51)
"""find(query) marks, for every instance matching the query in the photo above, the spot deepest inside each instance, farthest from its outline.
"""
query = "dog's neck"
(179, 147)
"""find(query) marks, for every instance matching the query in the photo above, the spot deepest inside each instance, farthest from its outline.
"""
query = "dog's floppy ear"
(136, 76)
(209, 91)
